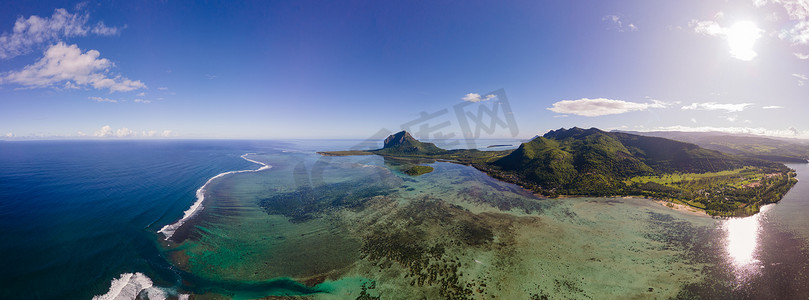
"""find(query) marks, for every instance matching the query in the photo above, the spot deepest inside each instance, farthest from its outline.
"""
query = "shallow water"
(78, 216)
(494, 238)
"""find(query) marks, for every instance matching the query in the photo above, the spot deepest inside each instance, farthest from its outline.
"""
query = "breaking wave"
(195, 208)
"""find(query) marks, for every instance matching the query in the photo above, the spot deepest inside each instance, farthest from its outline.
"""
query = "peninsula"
(592, 162)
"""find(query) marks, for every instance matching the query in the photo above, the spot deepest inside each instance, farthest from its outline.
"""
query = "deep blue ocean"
(76, 214)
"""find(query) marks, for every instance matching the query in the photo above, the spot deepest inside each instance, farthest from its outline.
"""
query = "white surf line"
(132, 286)
(129, 286)
(195, 208)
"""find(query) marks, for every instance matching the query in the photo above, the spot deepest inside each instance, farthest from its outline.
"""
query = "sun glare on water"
(743, 242)
(742, 239)
(742, 37)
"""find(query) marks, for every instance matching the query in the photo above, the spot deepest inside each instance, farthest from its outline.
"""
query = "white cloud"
(618, 24)
(162, 88)
(794, 130)
(68, 66)
(36, 30)
(108, 132)
(801, 78)
(105, 131)
(798, 11)
(772, 107)
(475, 97)
(99, 99)
(124, 132)
(141, 94)
(717, 106)
(798, 34)
(601, 106)
(790, 132)
(801, 55)
(101, 29)
(732, 118)
(693, 120)
(741, 37)
(710, 28)
(143, 101)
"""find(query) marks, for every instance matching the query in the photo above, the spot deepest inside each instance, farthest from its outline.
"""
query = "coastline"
(683, 208)
(670, 203)
(169, 230)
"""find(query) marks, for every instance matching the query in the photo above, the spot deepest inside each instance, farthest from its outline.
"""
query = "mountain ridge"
(768, 148)
(592, 162)
(403, 143)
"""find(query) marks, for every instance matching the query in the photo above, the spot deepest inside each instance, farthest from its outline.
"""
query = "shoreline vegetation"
(592, 163)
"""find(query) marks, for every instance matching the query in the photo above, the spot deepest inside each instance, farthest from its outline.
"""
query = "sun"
(742, 37)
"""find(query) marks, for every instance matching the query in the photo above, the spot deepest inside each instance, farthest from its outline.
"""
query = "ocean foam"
(129, 286)
(195, 208)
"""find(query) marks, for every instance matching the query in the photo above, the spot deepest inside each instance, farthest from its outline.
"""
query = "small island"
(592, 162)
(418, 170)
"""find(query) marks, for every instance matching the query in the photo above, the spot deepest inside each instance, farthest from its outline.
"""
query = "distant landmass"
(402, 143)
(592, 162)
(773, 149)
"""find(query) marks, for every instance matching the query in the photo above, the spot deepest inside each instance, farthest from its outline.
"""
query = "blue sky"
(319, 69)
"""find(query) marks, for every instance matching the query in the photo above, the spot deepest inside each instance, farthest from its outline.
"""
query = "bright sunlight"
(742, 37)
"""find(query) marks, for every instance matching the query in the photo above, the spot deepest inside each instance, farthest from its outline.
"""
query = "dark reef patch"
(421, 239)
(306, 202)
(504, 202)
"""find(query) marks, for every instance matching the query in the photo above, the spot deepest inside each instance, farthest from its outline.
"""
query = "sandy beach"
(683, 208)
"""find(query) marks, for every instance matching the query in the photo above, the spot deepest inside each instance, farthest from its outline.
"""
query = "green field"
(726, 193)
(737, 178)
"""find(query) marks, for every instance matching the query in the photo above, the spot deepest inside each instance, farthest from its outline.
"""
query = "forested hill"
(592, 162)
(404, 144)
(768, 148)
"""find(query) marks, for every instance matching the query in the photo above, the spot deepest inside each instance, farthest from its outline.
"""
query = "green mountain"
(401, 143)
(575, 158)
(593, 162)
(580, 161)
(669, 156)
(773, 149)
